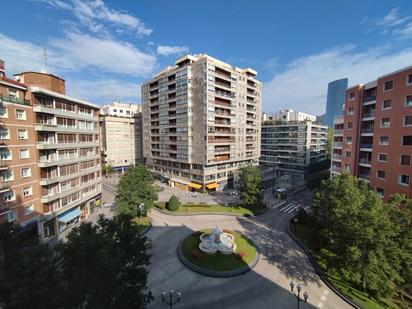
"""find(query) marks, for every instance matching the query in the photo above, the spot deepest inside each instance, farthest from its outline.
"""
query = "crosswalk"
(289, 207)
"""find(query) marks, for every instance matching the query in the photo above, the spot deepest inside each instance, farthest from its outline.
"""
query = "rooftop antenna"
(45, 57)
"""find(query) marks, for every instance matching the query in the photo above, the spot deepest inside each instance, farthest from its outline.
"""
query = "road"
(266, 286)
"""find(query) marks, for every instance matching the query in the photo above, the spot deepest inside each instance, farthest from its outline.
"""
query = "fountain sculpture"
(217, 241)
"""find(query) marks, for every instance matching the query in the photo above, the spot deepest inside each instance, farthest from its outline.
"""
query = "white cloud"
(393, 22)
(103, 91)
(303, 84)
(170, 50)
(82, 50)
(95, 15)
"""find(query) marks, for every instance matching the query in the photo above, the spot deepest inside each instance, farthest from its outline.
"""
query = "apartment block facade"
(121, 136)
(373, 138)
(51, 161)
(292, 146)
(201, 122)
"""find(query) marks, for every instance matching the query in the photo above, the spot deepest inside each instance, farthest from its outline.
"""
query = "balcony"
(336, 168)
(367, 130)
(337, 131)
(369, 99)
(337, 144)
(3, 165)
(63, 112)
(370, 114)
(221, 139)
(4, 187)
(364, 176)
(336, 156)
(14, 100)
(366, 146)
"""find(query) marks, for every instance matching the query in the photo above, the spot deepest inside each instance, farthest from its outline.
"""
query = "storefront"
(212, 186)
(68, 218)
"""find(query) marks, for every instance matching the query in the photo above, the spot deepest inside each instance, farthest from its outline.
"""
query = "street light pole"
(170, 302)
(297, 295)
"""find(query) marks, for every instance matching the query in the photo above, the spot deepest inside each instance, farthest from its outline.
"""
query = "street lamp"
(170, 302)
(141, 207)
(296, 222)
(297, 295)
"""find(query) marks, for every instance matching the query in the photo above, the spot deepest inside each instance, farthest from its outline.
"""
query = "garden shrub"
(173, 204)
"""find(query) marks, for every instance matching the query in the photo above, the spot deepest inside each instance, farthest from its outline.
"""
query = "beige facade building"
(121, 135)
(201, 122)
(50, 155)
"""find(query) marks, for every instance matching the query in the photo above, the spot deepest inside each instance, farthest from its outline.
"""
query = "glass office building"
(335, 99)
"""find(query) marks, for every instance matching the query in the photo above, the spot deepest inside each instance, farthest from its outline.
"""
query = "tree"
(28, 271)
(347, 211)
(251, 181)
(107, 169)
(399, 211)
(135, 187)
(104, 265)
(173, 204)
(317, 172)
(329, 142)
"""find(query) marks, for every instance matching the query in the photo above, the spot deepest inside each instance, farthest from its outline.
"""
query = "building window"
(405, 160)
(347, 168)
(351, 95)
(381, 174)
(407, 121)
(349, 140)
(385, 122)
(408, 101)
(5, 154)
(4, 133)
(8, 196)
(348, 154)
(20, 114)
(383, 140)
(382, 157)
(114, 110)
(24, 154)
(3, 112)
(386, 104)
(12, 93)
(11, 216)
(27, 191)
(409, 80)
(407, 140)
(351, 111)
(388, 85)
(25, 172)
(8, 175)
(22, 134)
(28, 210)
(350, 125)
(403, 180)
(380, 191)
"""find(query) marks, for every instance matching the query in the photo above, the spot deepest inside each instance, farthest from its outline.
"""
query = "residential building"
(335, 99)
(19, 190)
(286, 115)
(321, 119)
(374, 134)
(121, 135)
(50, 154)
(201, 122)
(291, 146)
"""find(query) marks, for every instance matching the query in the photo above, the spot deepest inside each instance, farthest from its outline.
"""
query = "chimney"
(2, 72)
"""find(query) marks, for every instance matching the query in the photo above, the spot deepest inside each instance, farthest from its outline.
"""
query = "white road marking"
(320, 305)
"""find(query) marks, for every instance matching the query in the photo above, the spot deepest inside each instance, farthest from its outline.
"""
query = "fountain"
(217, 241)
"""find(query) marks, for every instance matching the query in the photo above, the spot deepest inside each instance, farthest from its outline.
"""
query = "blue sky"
(105, 49)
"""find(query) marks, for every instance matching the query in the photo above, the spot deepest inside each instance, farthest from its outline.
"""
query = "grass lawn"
(237, 209)
(304, 233)
(218, 261)
(142, 222)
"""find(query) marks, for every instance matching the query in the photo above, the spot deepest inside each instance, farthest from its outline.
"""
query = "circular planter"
(236, 265)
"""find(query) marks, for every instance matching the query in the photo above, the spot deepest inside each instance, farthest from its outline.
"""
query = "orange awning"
(194, 185)
(212, 185)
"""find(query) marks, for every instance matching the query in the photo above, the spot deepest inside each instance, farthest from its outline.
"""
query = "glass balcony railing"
(15, 100)
(369, 98)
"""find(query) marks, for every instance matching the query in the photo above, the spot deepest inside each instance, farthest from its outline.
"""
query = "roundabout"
(218, 253)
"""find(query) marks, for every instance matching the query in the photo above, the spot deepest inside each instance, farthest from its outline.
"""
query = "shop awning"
(181, 181)
(69, 215)
(211, 186)
(194, 185)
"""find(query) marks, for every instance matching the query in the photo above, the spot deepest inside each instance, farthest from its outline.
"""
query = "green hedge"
(173, 204)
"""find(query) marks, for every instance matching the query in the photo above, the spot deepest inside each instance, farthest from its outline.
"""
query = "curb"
(218, 274)
(319, 271)
(298, 190)
(147, 229)
(166, 212)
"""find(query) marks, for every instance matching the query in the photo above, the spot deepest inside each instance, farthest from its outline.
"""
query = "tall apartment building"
(286, 115)
(373, 138)
(121, 135)
(51, 162)
(201, 122)
(291, 146)
(335, 99)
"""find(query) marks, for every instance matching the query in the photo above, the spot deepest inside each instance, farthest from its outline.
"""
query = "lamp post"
(297, 295)
(141, 207)
(296, 222)
(171, 302)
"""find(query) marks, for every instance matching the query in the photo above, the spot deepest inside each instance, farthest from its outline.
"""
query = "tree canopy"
(251, 181)
(136, 186)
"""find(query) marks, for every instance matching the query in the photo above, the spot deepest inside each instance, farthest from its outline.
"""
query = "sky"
(106, 49)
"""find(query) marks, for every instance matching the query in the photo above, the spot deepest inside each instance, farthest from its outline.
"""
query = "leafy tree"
(329, 141)
(251, 185)
(399, 211)
(104, 265)
(107, 169)
(316, 173)
(135, 187)
(351, 214)
(173, 204)
(28, 271)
